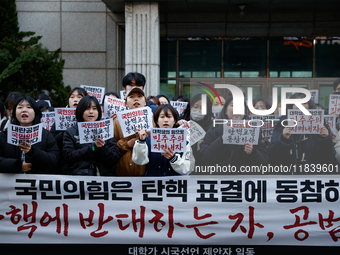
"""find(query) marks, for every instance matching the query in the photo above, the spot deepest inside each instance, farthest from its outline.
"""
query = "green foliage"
(26, 66)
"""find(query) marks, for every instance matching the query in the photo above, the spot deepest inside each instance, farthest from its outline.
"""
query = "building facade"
(262, 44)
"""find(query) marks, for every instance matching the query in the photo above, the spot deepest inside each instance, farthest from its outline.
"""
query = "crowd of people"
(60, 152)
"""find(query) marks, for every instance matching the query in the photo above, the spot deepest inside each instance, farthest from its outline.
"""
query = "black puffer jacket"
(43, 155)
(81, 159)
(300, 149)
(213, 151)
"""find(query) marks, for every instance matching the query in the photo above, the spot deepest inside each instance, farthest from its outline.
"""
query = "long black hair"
(85, 102)
(33, 104)
(206, 122)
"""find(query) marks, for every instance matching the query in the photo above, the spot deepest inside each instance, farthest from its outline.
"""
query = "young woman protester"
(166, 164)
(215, 153)
(74, 98)
(87, 159)
(205, 121)
(261, 104)
(39, 158)
(135, 98)
(299, 149)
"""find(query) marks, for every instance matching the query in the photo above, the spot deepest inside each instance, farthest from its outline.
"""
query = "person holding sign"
(205, 121)
(162, 164)
(215, 152)
(299, 149)
(39, 158)
(85, 159)
(135, 98)
(74, 98)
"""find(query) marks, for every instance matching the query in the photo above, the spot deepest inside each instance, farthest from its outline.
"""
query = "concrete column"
(142, 42)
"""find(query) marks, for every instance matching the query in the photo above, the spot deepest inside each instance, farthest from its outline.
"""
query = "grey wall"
(91, 41)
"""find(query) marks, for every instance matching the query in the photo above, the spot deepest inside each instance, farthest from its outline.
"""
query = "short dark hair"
(110, 93)
(80, 91)
(311, 103)
(261, 100)
(150, 98)
(42, 96)
(166, 108)
(159, 96)
(336, 83)
(12, 98)
(138, 77)
(83, 104)
(33, 104)
(180, 97)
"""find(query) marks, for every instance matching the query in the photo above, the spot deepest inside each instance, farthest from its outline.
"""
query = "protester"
(135, 98)
(163, 99)
(299, 149)
(162, 164)
(98, 158)
(39, 158)
(74, 98)
(213, 151)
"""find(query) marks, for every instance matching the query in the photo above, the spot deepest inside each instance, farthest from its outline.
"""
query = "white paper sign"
(195, 133)
(331, 122)
(64, 118)
(334, 104)
(314, 95)
(164, 138)
(268, 123)
(89, 131)
(130, 120)
(18, 134)
(113, 105)
(239, 132)
(122, 94)
(47, 120)
(306, 124)
(179, 106)
(97, 92)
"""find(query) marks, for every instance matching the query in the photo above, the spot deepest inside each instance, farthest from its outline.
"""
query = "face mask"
(217, 108)
(196, 114)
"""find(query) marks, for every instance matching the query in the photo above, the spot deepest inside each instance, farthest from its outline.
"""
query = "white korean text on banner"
(179, 106)
(18, 134)
(89, 131)
(314, 95)
(267, 124)
(47, 120)
(331, 122)
(113, 105)
(306, 124)
(165, 138)
(334, 104)
(64, 118)
(242, 210)
(131, 120)
(239, 132)
(97, 92)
